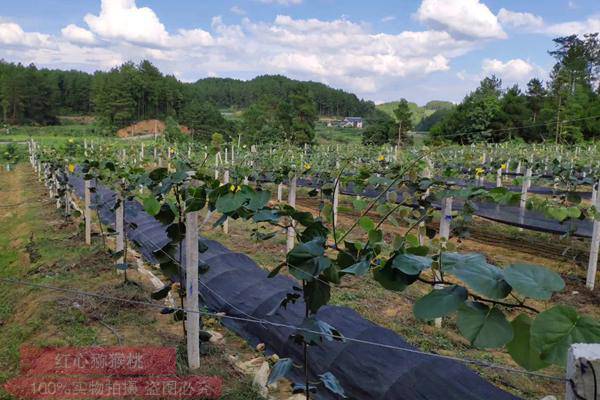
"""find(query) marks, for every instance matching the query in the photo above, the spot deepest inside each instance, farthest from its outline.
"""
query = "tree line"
(565, 109)
(277, 107)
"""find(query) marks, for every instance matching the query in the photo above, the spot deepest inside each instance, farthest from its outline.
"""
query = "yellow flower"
(71, 140)
(238, 188)
(232, 188)
(307, 166)
(482, 159)
(479, 171)
(503, 166)
(71, 167)
(381, 158)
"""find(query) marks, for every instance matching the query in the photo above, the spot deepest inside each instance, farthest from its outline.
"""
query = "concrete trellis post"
(87, 211)
(524, 188)
(445, 220)
(192, 295)
(120, 230)
(583, 362)
(225, 182)
(594, 245)
(217, 166)
(142, 152)
(336, 201)
(280, 192)
(499, 177)
(291, 234)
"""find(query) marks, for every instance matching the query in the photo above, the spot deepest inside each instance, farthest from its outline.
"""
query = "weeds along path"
(38, 245)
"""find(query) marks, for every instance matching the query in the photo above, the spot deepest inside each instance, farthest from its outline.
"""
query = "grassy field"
(331, 135)
(38, 245)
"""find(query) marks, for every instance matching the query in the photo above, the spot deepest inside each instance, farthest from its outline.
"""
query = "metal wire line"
(281, 325)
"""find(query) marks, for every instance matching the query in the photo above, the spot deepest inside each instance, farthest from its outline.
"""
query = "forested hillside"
(135, 92)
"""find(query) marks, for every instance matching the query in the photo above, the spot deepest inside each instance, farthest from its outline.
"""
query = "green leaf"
(393, 279)
(307, 260)
(475, 272)
(151, 205)
(411, 264)
(281, 368)
(375, 236)
(359, 204)
(439, 303)
(158, 174)
(229, 202)
(556, 329)
(520, 348)
(366, 223)
(332, 384)
(484, 327)
(165, 215)
(196, 199)
(533, 281)
(558, 213)
(327, 212)
(316, 294)
(358, 269)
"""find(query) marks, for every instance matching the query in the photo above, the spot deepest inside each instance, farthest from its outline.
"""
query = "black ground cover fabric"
(236, 285)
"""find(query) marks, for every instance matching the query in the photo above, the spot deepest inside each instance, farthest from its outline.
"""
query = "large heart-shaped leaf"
(358, 269)
(475, 272)
(520, 348)
(393, 279)
(307, 260)
(485, 327)
(411, 264)
(533, 281)
(316, 294)
(439, 303)
(556, 329)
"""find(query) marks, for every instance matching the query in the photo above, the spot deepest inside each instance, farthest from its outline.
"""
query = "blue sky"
(381, 50)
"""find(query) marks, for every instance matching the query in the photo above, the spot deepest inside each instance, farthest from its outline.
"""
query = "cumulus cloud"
(123, 20)
(11, 34)
(520, 19)
(512, 71)
(590, 25)
(388, 18)
(468, 18)
(528, 22)
(78, 35)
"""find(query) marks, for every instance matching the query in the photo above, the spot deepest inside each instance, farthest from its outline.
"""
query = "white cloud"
(590, 25)
(123, 20)
(237, 10)
(78, 35)
(282, 2)
(520, 19)
(388, 18)
(512, 71)
(529, 22)
(11, 34)
(466, 18)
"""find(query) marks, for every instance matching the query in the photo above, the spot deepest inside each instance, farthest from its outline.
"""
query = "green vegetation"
(565, 109)
(418, 113)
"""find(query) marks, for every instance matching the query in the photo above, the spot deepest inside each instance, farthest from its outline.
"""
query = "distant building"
(352, 122)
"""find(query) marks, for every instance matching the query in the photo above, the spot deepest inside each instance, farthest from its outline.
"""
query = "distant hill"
(235, 93)
(419, 113)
